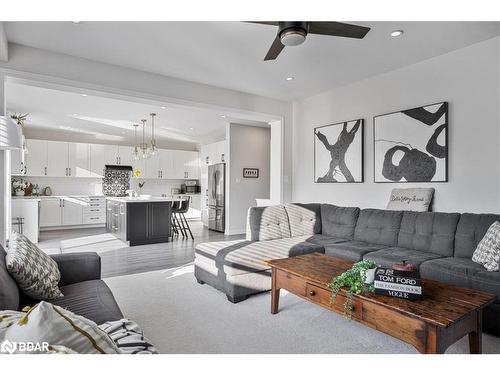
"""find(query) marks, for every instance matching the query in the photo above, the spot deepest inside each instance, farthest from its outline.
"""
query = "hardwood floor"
(119, 259)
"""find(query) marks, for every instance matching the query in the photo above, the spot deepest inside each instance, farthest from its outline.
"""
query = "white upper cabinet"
(36, 158)
(186, 165)
(111, 155)
(96, 160)
(79, 160)
(57, 159)
(17, 163)
(65, 159)
(221, 152)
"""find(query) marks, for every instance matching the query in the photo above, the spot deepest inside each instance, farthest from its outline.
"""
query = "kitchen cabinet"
(57, 159)
(72, 211)
(221, 152)
(17, 163)
(36, 158)
(78, 160)
(50, 212)
(185, 165)
(97, 160)
(139, 223)
(67, 159)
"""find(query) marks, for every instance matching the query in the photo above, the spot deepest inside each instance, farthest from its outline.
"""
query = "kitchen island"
(139, 221)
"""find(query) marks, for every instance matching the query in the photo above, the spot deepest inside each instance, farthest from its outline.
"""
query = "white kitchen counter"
(143, 200)
(28, 210)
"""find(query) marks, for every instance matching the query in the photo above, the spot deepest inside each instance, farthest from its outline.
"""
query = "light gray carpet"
(181, 316)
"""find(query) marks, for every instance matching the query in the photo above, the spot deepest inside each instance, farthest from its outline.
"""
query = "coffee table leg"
(275, 294)
(476, 337)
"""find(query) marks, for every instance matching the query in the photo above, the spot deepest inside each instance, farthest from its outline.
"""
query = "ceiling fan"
(295, 33)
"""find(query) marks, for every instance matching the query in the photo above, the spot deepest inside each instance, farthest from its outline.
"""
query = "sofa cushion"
(321, 239)
(304, 218)
(91, 299)
(462, 272)
(471, 229)
(239, 257)
(267, 223)
(432, 232)
(338, 221)
(387, 257)
(9, 292)
(351, 250)
(378, 226)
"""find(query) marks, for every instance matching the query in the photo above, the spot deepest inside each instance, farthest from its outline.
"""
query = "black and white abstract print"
(338, 152)
(411, 145)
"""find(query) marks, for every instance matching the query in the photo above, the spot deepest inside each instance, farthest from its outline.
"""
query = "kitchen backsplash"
(93, 186)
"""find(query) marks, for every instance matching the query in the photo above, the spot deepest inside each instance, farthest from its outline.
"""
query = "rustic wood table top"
(441, 304)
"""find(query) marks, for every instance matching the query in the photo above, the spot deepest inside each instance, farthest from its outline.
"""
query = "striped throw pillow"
(128, 336)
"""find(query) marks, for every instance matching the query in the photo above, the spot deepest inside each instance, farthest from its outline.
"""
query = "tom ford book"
(400, 284)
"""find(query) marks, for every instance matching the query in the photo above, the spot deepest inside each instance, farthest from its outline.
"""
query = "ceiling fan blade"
(275, 49)
(265, 22)
(346, 30)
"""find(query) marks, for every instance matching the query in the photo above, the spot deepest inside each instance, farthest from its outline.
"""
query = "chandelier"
(145, 150)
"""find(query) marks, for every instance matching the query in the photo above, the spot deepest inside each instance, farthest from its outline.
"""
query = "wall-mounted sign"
(250, 172)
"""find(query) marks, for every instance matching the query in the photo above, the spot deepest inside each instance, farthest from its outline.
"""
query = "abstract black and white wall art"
(412, 145)
(338, 152)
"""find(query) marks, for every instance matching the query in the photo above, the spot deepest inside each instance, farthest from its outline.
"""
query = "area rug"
(181, 316)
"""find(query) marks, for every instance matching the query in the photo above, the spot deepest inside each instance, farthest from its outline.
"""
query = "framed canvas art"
(338, 152)
(412, 145)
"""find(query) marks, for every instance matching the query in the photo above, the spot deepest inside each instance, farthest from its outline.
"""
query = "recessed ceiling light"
(290, 78)
(163, 107)
(397, 33)
(190, 128)
(223, 116)
(84, 95)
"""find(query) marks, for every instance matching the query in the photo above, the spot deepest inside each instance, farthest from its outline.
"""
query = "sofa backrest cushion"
(304, 218)
(338, 221)
(9, 292)
(471, 229)
(378, 226)
(432, 232)
(267, 223)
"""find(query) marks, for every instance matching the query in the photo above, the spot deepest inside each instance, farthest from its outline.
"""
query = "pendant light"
(135, 153)
(153, 150)
(144, 146)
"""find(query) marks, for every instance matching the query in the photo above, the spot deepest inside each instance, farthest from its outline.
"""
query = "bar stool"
(174, 223)
(181, 218)
(19, 222)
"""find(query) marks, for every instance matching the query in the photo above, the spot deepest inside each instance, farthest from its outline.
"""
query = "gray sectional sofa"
(440, 244)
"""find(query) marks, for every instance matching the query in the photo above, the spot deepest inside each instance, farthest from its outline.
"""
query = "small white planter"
(19, 193)
(370, 276)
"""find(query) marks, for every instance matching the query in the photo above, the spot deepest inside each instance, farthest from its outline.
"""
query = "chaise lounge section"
(440, 244)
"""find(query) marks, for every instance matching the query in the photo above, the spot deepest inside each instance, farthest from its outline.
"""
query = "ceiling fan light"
(293, 36)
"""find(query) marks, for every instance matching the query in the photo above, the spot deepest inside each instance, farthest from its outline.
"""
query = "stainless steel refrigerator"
(216, 197)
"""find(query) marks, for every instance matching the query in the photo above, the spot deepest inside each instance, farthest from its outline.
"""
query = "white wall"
(468, 79)
(249, 147)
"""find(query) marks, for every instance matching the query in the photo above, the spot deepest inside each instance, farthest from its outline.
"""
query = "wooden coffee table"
(444, 315)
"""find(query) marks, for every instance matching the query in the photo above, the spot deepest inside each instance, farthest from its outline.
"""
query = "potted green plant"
(356, 280)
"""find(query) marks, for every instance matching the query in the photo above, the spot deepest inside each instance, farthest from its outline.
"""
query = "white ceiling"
(230, 54)
(102, 119)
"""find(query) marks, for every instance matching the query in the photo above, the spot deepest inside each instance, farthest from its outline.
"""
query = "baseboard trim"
(234, 231)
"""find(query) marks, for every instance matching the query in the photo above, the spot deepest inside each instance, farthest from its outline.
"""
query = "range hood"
(119, 167)
(10, 134)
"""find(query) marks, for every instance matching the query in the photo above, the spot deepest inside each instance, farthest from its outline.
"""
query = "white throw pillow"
(46, 323)
(487, 251)
(414, 199)
(36, 274)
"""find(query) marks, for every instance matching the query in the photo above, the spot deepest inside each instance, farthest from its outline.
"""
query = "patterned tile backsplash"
(116, 182)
